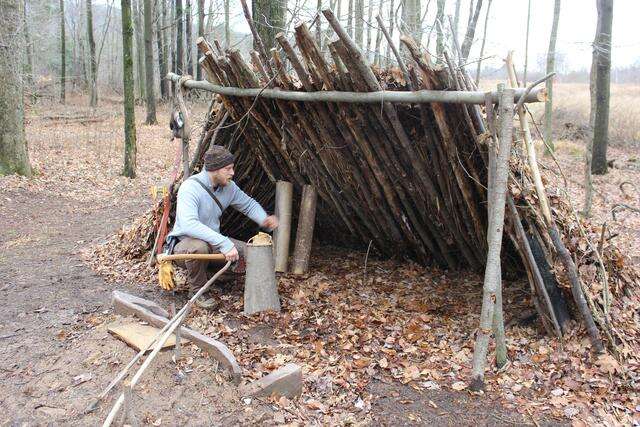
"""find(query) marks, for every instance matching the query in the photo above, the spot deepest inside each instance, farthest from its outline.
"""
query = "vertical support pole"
(498, 321)
(492, 279)
(282, 234)
(304, 234)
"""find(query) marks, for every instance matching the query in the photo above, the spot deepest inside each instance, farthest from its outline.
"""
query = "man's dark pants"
(197, 269)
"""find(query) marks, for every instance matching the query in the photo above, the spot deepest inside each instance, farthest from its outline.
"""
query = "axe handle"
(208, 257)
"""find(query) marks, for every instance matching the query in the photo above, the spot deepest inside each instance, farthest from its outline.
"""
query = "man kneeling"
(201, 200)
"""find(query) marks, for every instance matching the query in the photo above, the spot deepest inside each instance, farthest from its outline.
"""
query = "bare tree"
(391, 26)
(129, 169)
(268, 16)
(63, 55)
(14, 157)
(526, 46)
(602, 87)
(200, 34)
(376, 59)
(411, 17)
(456, 19)
(139, 31)
(359, 21)
(28, 46)
(551, 61)
(161, 45)
(148, 64)
(319, 24)
(227, 30)
(93, 78)
(350, 19)
(439, 27)
(179, 45)
(188, 49)
(471, 29)
(484, 41)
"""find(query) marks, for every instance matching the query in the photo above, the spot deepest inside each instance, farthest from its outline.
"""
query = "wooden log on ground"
(304, 234)
(282, 234)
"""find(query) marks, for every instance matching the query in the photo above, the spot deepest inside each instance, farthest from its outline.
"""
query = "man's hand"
(270, 222)
(232, 255)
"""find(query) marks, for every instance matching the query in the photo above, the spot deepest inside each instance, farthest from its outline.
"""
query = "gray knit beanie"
(217, 157)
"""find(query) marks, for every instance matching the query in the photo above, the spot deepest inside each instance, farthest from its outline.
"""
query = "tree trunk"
(63, 55)
(439, 26)
(369, 25)
(359, 18)
(139, 47)
(268, 16)
(391, 26)
(602, 88)
(551, 65)
(456, 19)
(492, 279)
(200, 34)
(319, 24)
(376, 59)
(93, 78)
(179, 45)
(148, 63)
(471, 31)
(129, 169)
(484, 41)
(411, 17)
(227, 30)
(162, 58)
(188, 49)
(588, 155)
(526, 46)
(28, 49)
(350, 18)
(14, 157)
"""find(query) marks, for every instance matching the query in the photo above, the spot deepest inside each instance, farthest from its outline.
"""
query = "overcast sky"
(575, 32)
(507, 29)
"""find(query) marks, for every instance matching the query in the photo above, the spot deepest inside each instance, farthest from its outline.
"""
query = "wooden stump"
(304, 234)
(260, 289)
(282, 234)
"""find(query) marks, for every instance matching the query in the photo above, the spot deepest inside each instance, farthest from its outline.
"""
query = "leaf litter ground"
(415, 326)
(410, 330)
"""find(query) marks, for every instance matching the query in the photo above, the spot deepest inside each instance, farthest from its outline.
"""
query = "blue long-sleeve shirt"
(198, 215)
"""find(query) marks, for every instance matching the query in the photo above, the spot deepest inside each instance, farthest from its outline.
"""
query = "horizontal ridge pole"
(417, 97)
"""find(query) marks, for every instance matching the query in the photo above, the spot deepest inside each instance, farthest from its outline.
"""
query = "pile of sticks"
(408, 178)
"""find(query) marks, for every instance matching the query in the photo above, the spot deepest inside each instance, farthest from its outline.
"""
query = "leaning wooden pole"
(282, 234)
(304, 234)
(495, 229)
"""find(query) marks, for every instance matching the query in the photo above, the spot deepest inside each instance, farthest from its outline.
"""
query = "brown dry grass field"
(53, 328)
